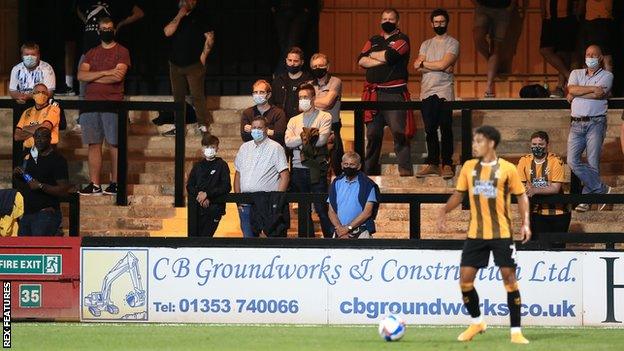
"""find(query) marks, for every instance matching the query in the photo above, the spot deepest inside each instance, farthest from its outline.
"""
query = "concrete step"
(114, 232)
(111, 211)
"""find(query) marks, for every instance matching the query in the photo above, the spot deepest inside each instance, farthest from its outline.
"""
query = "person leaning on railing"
(43, 114)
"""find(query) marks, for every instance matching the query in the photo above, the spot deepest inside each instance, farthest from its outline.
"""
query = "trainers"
(111, 189)
(170, 133)
(428, 171)
(65, 92)
(472, 331)
(582, 208)
(77, 129)
(448, 172)
(90, 190)
(602, 206)
(518, 338)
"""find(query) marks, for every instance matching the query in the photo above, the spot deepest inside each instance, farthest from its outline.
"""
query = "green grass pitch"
(92, 336)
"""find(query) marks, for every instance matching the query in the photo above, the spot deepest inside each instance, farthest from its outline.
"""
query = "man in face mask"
(353, 201)
(43, 114)
(436, 61)
(31, 71)
(209, 179)
(274, 116)
(543, 173)
(285, 85)
(588, 91)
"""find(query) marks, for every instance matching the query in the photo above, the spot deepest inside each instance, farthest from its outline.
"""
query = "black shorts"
(598, 32)
(476, 253)
(559, 33)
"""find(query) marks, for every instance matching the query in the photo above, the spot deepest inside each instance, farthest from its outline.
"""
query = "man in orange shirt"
(599, 28)
(43, 114)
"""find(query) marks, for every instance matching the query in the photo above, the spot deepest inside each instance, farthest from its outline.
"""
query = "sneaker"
(518, 338)
(448, 172)
(203, 129)
(472, 331)
(601, 207)
(90, 190)
(489, 95)
(582, 208)
(428, 171)
(170, 133)
(557, 93)
(65, 92)
(77, 129)
(111, 189)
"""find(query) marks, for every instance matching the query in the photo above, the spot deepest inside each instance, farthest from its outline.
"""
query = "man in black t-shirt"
(286, 85)
(42, 180)
(192, 38)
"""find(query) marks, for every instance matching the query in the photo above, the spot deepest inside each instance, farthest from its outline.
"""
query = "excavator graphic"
(99, 301)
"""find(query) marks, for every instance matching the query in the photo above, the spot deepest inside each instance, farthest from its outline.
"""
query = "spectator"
(588, 90)
(543, 173)
(273, 115)
(192, 39)
(260, 166)
(558, 38)
(209, 179)
(307, 135)
(328, 94)
(353, 201)
(42, 180)
(11, 210)
(436, 61)
(286, 84)
(31, 71)
(599, 28)
(43, 114)
(291, 19)
(104, 70)
(385, 58)
(492, 19)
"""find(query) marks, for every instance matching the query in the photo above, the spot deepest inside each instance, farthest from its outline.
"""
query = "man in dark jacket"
(274, 116)
(286, 85)
(209, 179)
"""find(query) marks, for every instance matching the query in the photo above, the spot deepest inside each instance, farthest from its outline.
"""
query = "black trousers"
(436, 116)
(550, 224)
(335, 156)
(207, 225)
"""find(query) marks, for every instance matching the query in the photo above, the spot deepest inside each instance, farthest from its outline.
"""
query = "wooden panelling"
(345, 25)
(8, 36)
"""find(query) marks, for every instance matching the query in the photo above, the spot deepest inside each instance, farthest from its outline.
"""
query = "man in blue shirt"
(353, 201)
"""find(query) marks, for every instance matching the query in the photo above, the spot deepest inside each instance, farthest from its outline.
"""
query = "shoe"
(472, 331)
(428, 171)
(405, 172)
(77, 129)
(447, 172)
(518, 338)
(601, 207)
(111, 189)
(489, 95)
(203, 129)
(90, 190)
(170, 133)
(582, 208)
(557, 93)
(66, 92)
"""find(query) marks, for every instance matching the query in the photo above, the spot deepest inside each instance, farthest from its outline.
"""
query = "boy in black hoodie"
(209, 179)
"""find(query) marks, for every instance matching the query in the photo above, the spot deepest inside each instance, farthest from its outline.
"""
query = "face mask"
(305, 105)
(388, 27)
(293, 69)
(209, 153)
(349, 171)
(259, 99)
(257, 134)
(34, 153)
(592, 62)
(440, 30)
(319, 73)
(40, 99)
(107, 36)
(538, 151)
(30, 61)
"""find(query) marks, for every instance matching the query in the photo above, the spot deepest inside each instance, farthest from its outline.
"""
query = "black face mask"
(388, 27)
(293, 69)
(107, 36)
(440, 30)
(538, 151)
(319, 73)
(349, 171)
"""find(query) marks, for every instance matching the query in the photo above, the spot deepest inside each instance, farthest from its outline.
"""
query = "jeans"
(435, 116)
(336, 153)
(587, 136)
(244, 212)
(300, 183)
(42, 223)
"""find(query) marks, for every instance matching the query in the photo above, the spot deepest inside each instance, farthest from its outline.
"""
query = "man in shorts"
(489, 181)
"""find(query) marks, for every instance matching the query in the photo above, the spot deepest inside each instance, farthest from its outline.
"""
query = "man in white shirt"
(30, 72)
(307, 134)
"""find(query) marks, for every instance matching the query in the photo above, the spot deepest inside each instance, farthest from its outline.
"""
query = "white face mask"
(305, 105)
(209, 153)
(592, 62)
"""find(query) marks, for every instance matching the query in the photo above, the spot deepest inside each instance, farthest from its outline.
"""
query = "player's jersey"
(489, 187)
(540, 175)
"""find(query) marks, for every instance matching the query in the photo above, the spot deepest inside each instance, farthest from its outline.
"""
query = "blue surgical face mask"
(259, 99)
(257, 134)
(30, 61)
(592, 62)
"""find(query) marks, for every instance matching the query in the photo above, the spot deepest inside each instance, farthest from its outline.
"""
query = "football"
(392, 328)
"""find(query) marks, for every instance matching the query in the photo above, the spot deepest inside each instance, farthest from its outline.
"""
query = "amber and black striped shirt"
(540, 176)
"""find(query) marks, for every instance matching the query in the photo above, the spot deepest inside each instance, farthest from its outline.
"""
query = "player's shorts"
(559, 33)
(476, 253)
